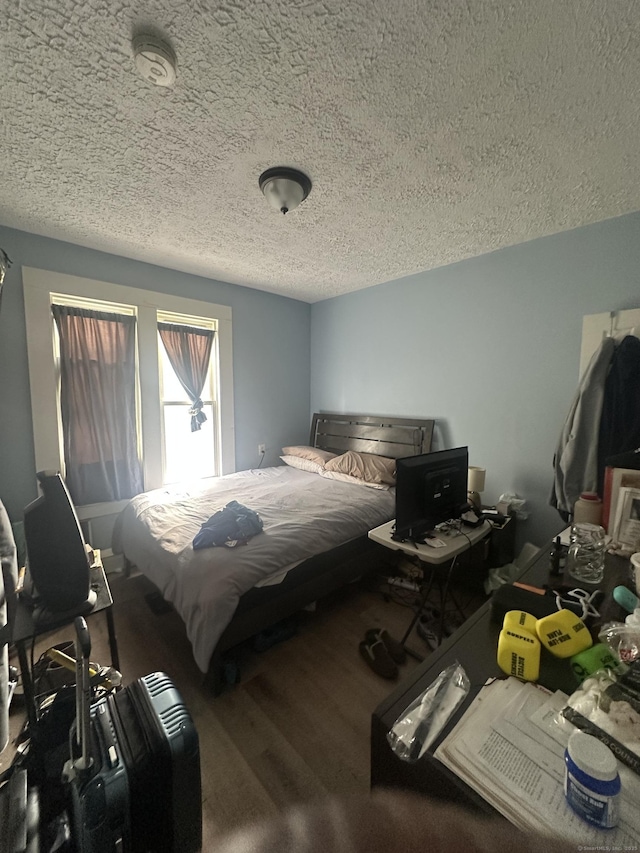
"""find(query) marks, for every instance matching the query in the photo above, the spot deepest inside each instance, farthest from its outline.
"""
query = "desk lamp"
(475, 485)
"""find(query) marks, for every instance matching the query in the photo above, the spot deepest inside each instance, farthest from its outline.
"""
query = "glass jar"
(585, 560)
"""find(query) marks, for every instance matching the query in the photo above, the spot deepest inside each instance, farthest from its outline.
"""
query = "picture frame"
(626, 526)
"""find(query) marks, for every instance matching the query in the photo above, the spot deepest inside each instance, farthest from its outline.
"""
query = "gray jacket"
(576, 459)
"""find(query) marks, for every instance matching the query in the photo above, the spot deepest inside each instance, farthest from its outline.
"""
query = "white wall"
(489, 347)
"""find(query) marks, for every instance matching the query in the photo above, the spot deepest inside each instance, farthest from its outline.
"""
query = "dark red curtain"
(98, 403)
(189, 351)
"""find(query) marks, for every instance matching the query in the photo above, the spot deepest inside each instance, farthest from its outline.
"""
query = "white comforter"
(304, 514)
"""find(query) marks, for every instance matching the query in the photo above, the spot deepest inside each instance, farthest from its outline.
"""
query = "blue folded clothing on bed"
(231, 526)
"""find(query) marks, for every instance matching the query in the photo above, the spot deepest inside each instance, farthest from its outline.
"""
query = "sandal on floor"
(379, 659)
(395, 649)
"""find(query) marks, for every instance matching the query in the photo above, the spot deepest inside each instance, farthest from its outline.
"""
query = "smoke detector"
(284, 188)
(155, 60)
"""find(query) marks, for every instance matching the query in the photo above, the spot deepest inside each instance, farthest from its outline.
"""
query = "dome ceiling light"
(284, 188)
(155, 60)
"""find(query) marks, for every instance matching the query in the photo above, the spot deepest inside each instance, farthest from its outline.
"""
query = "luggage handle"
(83, 693)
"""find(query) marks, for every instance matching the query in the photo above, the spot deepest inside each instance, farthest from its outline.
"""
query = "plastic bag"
(622, 639)
(607, 706)
(514, 504)
(421, 723)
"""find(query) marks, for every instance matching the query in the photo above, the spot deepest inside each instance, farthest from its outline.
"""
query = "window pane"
(188, 455)
(171, 387)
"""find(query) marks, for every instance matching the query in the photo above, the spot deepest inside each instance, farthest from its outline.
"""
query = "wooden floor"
(297, 725)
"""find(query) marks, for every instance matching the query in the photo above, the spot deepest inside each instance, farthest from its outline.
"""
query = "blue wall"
(270, 355)
(490, 347)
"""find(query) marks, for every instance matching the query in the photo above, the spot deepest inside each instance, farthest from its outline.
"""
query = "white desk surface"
(427, 553)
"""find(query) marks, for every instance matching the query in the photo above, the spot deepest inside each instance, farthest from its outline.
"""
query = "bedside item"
(591, 782)
(475, 485)
(440, 555)
(585, 560)
(431, 488)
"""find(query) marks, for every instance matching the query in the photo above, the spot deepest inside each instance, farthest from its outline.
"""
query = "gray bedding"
(304, 514)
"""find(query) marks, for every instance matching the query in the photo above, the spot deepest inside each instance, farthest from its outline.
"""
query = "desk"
(434, 557)
(474, 646)
(26, 629)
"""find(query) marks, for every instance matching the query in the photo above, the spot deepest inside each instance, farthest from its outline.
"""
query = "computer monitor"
(430, 488)
(57, 556)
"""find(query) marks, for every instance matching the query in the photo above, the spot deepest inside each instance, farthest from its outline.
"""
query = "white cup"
(635, 562)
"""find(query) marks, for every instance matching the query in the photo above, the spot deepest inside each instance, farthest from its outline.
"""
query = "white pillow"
(347, 478)
(364, 466)
(303, 464)
(313, 454)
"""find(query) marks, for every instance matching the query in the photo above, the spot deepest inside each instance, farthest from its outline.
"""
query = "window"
(161, 400)
(188, 397)
(97, 392)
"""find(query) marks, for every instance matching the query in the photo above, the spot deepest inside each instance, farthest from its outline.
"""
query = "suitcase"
(135, 773)
(19, 815)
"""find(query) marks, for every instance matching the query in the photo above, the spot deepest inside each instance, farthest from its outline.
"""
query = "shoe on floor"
(430, 613)
(379, 659)
(427, 629)
(395, 649)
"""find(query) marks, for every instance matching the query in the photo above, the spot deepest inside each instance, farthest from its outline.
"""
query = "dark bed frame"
(262, 607)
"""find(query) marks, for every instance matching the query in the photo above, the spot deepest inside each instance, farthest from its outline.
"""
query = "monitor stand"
(43, 615)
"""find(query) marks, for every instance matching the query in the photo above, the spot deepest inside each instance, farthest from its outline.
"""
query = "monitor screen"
(430, 488)
(57, 557)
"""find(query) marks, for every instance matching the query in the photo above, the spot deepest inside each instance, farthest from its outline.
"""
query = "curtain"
(189, 351)
(98, 404)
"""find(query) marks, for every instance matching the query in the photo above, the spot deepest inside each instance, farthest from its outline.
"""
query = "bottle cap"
(592, 756)
(589, 496)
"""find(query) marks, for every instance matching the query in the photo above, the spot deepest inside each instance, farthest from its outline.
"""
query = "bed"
(315, 525)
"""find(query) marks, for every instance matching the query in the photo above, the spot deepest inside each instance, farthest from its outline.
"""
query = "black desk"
(474, 646)
(25, 629)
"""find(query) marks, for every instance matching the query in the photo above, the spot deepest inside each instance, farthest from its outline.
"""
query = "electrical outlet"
(262, 449)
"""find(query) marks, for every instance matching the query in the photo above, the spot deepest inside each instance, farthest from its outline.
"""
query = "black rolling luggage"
(135, 773)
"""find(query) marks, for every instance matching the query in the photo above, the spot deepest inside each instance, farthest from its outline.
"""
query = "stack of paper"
(509, 747)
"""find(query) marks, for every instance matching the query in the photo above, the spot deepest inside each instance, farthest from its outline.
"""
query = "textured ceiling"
(433, 130)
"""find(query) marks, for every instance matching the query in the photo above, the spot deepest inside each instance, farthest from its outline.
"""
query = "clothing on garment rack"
(620, 422)
(603, 421)
(576, 458)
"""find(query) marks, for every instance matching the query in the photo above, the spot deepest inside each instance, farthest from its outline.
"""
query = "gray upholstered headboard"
(382, 435)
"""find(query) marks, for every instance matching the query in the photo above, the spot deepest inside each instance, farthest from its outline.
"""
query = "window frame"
(39, 286)
(212, 397)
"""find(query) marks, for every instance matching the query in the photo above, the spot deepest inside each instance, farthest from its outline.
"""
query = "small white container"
(588, 508)
(591, 782)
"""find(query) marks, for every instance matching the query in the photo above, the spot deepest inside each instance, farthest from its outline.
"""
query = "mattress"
(304, 514)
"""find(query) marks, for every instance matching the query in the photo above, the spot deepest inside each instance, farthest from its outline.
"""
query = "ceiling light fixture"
(284, 188)
(155, 60)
